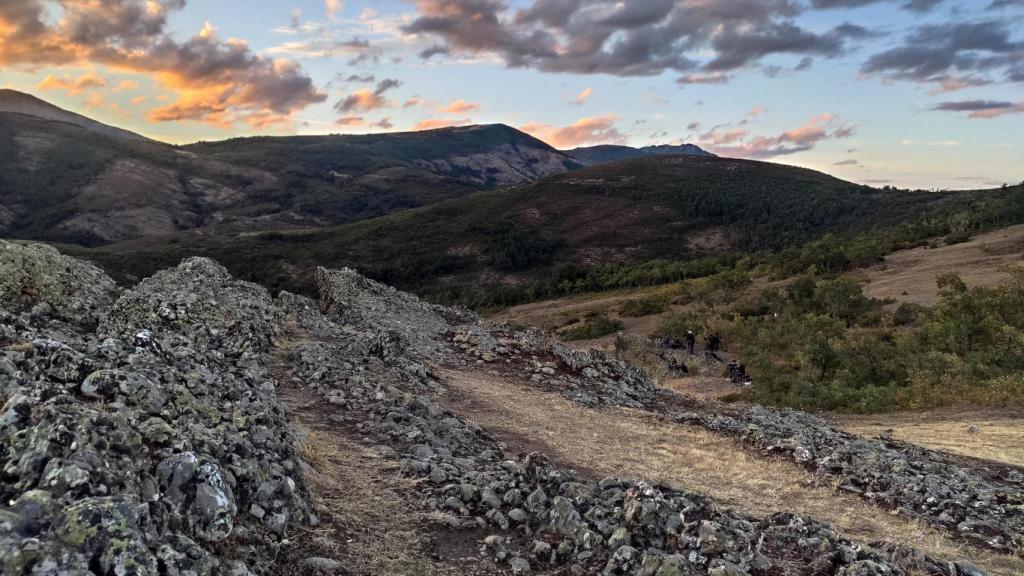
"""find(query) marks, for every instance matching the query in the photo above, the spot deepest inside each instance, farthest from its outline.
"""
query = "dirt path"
(996, 435)
(370, 519)
(910, 275)
(636, 444)
(703, 387)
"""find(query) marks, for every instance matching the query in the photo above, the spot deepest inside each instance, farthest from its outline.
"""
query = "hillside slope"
(662, 207)
(14, 102)
(67, 178)
(367, 432)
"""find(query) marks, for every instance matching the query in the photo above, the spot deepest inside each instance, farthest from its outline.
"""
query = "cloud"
(349, 121)
(73, 86)
(362, 79)
(334, 7)
(325, 45)
(621, 38)
(912, 5)
(363, 100)
(703, 78)
(459, 107)
(219, 82)
(591, 130)
(981, 108)
(366, 100)
(126, 86)
(385, 85)
(413, 102)
(850, 162)
(952, 56)
(94, 101)
(583, 96)
(736, 142)
(384, 123)
(436, 123)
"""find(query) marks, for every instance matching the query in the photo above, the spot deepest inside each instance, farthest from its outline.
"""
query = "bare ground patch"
(636, 444)
(910, 275)
(370, 518)
(996, 435)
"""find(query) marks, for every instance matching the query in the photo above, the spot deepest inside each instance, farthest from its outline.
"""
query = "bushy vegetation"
(647, 306)
(820, 344)
(594, 325)
(500, 248)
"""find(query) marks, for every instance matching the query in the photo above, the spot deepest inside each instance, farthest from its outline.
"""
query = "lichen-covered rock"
(132, 450)
(39, 278)
(200, 301)
(917, 481)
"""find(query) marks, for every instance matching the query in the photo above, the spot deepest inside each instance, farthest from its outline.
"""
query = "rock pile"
(141, 434)
(532, 514)
(914, 480)
(152, 445)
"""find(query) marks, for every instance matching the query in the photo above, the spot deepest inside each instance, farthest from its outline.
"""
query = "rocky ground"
(163, 429)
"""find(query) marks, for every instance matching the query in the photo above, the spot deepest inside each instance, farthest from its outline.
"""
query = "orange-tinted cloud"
(218, 82)
(435, 123)
(333, 7)
(73, 86)
(350, 121)
(583, 96)
(126, 86)
(592, 130)
(459, 107)
(95, 101)
(363, 100)
(734, 142)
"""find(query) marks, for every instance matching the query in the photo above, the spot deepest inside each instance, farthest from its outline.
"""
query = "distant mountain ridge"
(593, 155)
(67, 178)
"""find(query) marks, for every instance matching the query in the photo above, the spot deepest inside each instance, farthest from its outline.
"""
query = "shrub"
(594, 326)
(644, 306)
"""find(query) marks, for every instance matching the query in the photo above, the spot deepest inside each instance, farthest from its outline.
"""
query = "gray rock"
(321, 565)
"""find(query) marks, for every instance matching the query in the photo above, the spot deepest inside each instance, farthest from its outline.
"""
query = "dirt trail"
(910, 275)
(371, 521)
(635, 444)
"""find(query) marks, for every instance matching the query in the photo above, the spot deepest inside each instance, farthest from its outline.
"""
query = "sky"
(912, 93)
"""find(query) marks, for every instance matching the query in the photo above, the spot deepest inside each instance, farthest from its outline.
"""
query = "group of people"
(712, 345)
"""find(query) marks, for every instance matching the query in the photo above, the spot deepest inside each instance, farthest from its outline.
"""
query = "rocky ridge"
(988, 512)
(152, 440)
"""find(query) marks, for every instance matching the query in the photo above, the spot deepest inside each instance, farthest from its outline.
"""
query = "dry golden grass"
(370, 521)
(631, 443)
(314, 448)
(999, 436)
(910, 275)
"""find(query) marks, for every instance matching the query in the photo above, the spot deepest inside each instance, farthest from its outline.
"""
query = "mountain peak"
(15, 102)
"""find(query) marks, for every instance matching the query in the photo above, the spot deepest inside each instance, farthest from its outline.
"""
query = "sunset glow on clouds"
(840, 85)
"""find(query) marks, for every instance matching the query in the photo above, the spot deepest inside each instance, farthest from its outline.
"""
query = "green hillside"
(613, 220)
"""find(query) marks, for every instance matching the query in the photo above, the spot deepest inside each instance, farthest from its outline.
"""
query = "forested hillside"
(639, 222)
